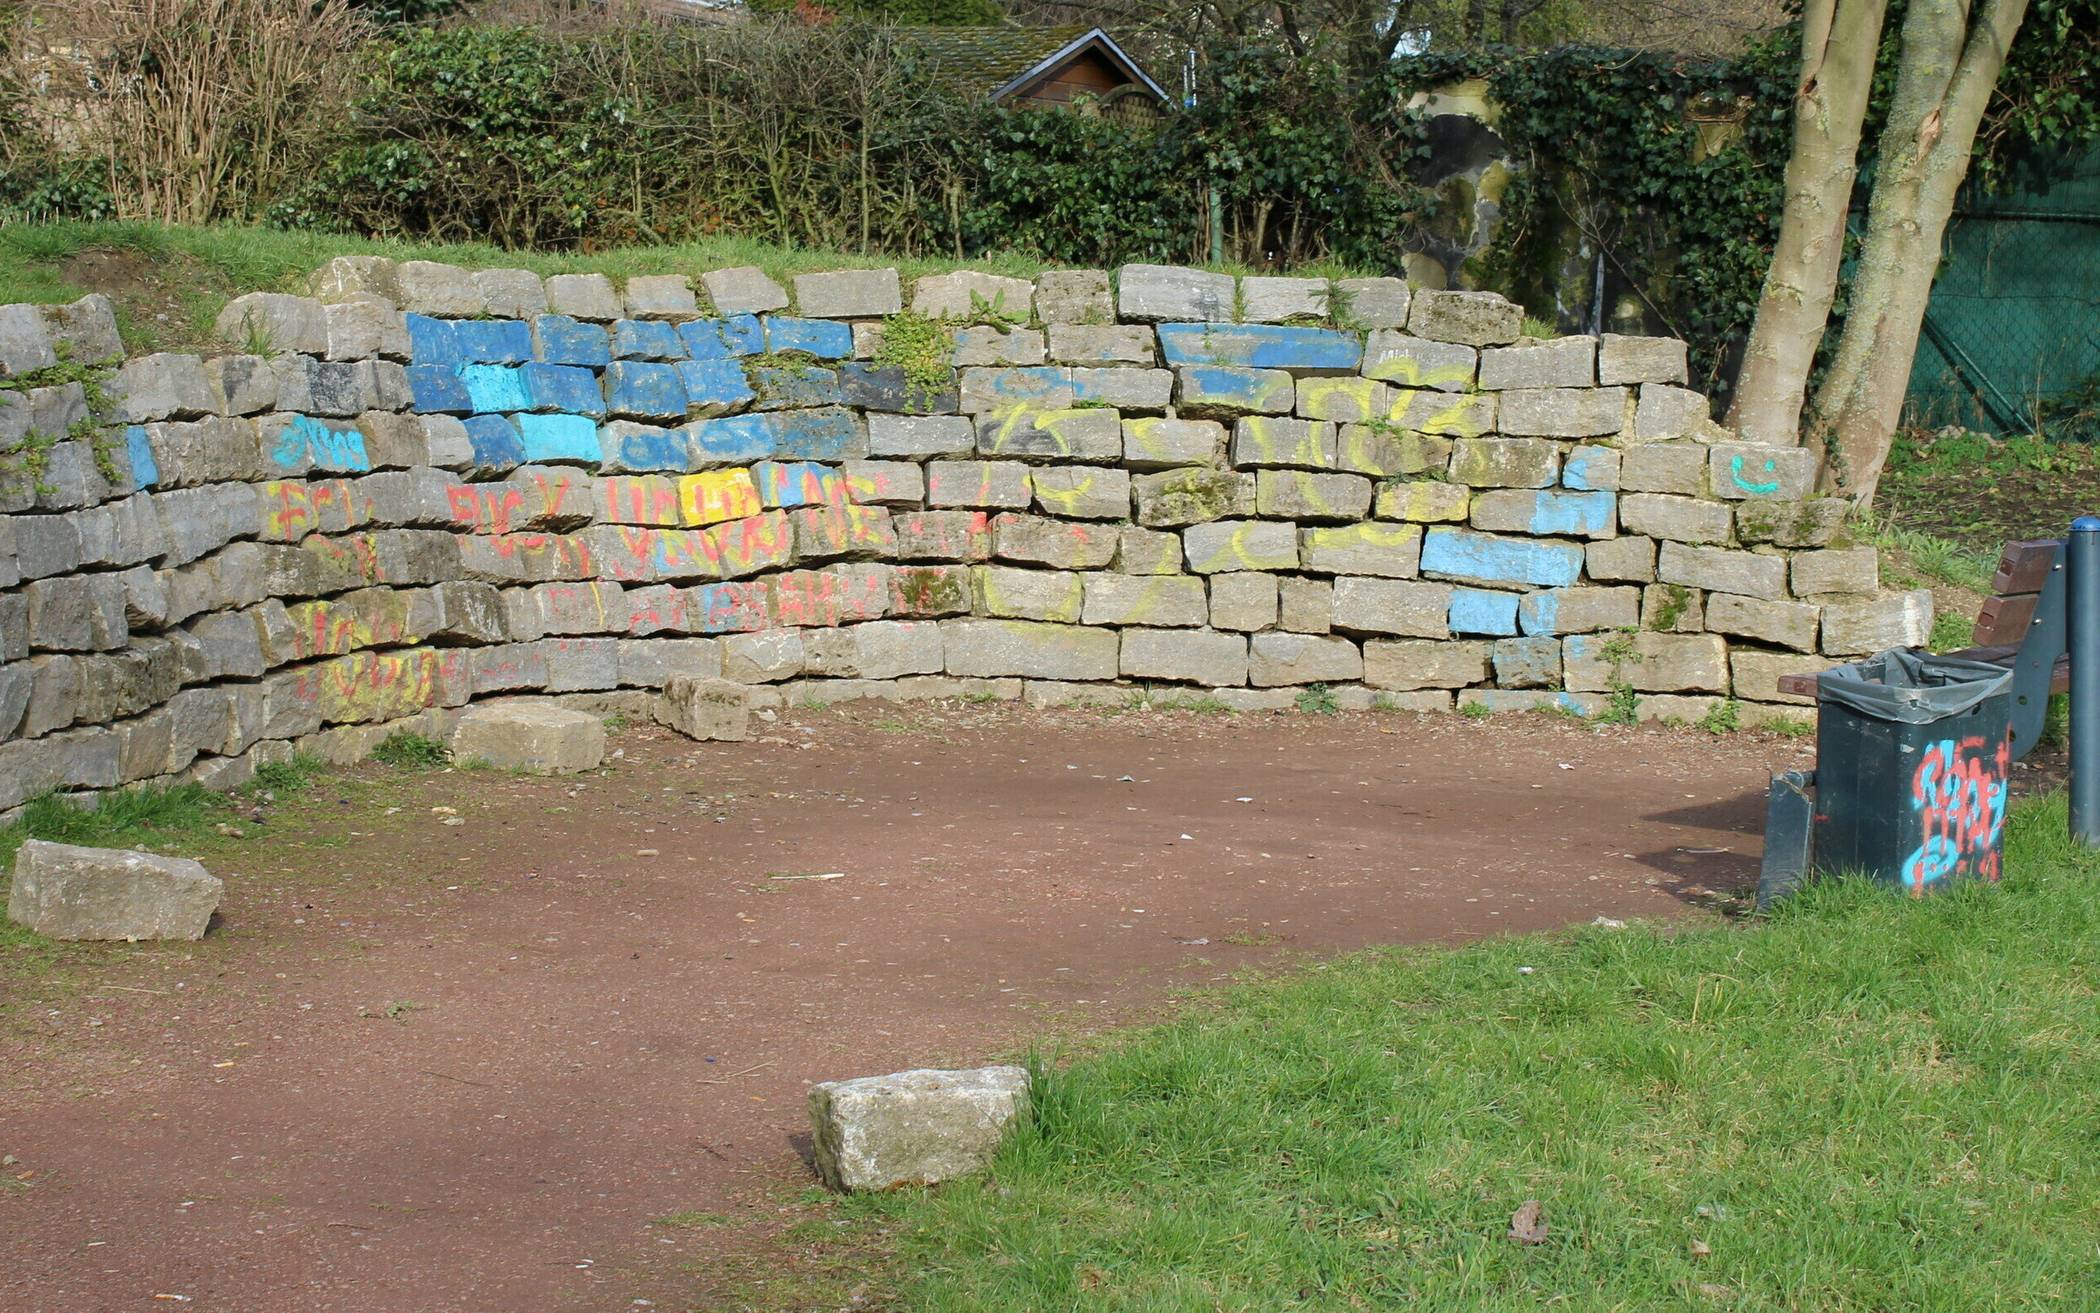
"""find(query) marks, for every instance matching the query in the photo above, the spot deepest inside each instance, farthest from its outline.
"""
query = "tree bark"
(1949, 66)
(1839, 40)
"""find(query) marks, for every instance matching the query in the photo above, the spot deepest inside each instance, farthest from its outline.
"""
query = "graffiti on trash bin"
(1958, 792)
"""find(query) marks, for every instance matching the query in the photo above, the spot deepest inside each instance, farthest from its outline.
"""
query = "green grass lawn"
(1865, 1103)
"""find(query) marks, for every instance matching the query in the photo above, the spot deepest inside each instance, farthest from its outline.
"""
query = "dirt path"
(462, 1067)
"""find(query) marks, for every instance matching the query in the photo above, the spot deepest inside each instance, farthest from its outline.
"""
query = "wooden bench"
(2023, 617)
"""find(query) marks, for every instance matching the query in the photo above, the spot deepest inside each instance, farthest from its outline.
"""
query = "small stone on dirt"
(711, 710)
(69, 892)
(913, 1127)
(523, 734)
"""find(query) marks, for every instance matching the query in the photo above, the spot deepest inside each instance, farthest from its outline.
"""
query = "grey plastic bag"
(1911, 686)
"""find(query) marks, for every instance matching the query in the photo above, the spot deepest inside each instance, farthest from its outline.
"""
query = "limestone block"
(1473, 318)
(1299, 495)
(1147, 551)
(1622, 359)
(1178, 498)
(990, 483)
(1344, 400)
(1657, 663)
(1563, 412)
(1717, 569)
(244, 385)
(348, 276)
(1420, 410)
(25, 341)
(849, 294)
(1083, 492)
(877, 649)
(913, 1128)
(920, 435)
(1862, 628)
(511, 293)
(1757, 674)
(1527, 662)
(1243, 601)
(1304, 606)
(1812, 523)
(1504, 462)
(1415, 663)
(68, 892)
(661, 296)
(1497, 701)
(987, 344)
(272, 321)
(1015, 594)
(1472, 557)
(1392, 551)
(1561, 362)
(1746, 471)
(1271, 440)
(1122, 387)
(1103, 344)
(1676, 519)
(1592, 469)
(930, 590)
(1666, 412)
(1153, 292)
(1424, 502)
(1836, 572)
(994, 648)
(1088, 434)
(426, 287)
(1159, 600)
(164, 385)
(1156, 444)
(1782, 624)
(1226, 545)
(1414, 362)
(743, 290)
(710, 710)
(1074, 296)
(885, 482)
(1371, 303)
(1673, 609)
(1545, 511)
(1061, 544)
(591, 297)
(1678, 468)
(763, 656)
(1187, 656)
(1392, 606)
(971, 297)
(1580, 609)
(1271, 300)
(529, 735)
(1277, 659)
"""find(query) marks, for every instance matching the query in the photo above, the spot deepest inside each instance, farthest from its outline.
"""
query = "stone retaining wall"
(423, 485)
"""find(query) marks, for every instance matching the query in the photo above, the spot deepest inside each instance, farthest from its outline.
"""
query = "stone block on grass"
(64, 891)
(914, 1127)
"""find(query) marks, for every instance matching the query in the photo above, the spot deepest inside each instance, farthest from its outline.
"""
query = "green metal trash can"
(1913, 768)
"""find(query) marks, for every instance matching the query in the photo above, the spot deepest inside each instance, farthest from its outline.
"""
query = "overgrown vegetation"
(1868, 1102)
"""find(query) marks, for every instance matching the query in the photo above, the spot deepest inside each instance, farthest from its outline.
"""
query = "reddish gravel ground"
(431, 1068)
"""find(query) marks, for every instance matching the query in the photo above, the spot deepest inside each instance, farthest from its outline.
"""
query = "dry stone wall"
(421, 486)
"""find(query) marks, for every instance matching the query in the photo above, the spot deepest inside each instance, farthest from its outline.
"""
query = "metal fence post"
(2082, 568)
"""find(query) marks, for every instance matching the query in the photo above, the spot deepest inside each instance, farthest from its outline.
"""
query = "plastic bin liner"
(1912, 687)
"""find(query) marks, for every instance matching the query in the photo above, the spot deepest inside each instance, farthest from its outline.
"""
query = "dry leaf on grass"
(1526, 1225)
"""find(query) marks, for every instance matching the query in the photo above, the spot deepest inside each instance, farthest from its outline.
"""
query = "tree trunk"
(1839, 40)
(1948, 68)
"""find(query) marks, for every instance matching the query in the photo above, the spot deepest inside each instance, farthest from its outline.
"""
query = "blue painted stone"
(1045, 387)
(434, 342)
(798, 483)
(721, 339)
(1467, 554)
(495, 389)
(1584, 514)
(828, 434)
(1235, 387)
(731, 440)
(563, 387)
(1260, 346)
(715, 385)
(781, 387)
(884, 387)
(306, 443)
(493, 341)
(826, 339)
(1575, 471)
(495, 442)
(724, 608)
(642, 390)
(566, 341)
(145, 471)
(1540, 613)
(559, 438)
(1481, 611)
(625, 448)
(645, 339)
(437, 390)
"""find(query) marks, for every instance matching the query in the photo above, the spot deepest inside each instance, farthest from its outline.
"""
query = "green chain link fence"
(2011, 342)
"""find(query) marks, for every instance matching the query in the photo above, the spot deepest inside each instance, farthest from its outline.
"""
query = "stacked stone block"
(423, 485)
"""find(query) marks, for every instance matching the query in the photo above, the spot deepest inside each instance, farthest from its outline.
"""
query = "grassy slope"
(1868, 1103)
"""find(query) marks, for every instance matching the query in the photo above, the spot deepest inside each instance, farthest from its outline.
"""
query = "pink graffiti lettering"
(1958, 791)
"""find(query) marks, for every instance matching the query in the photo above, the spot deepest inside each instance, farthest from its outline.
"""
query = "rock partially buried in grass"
(915, 1127)
(68, 892)
(711, 710)
(526, 735)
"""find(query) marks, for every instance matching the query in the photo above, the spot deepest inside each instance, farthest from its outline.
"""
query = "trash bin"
(1913, 763)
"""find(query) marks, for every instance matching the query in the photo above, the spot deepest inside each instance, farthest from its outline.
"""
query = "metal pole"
(2082, 569)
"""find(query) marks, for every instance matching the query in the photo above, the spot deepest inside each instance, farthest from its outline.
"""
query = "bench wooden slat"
(2005, 619)
(2024, 567)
